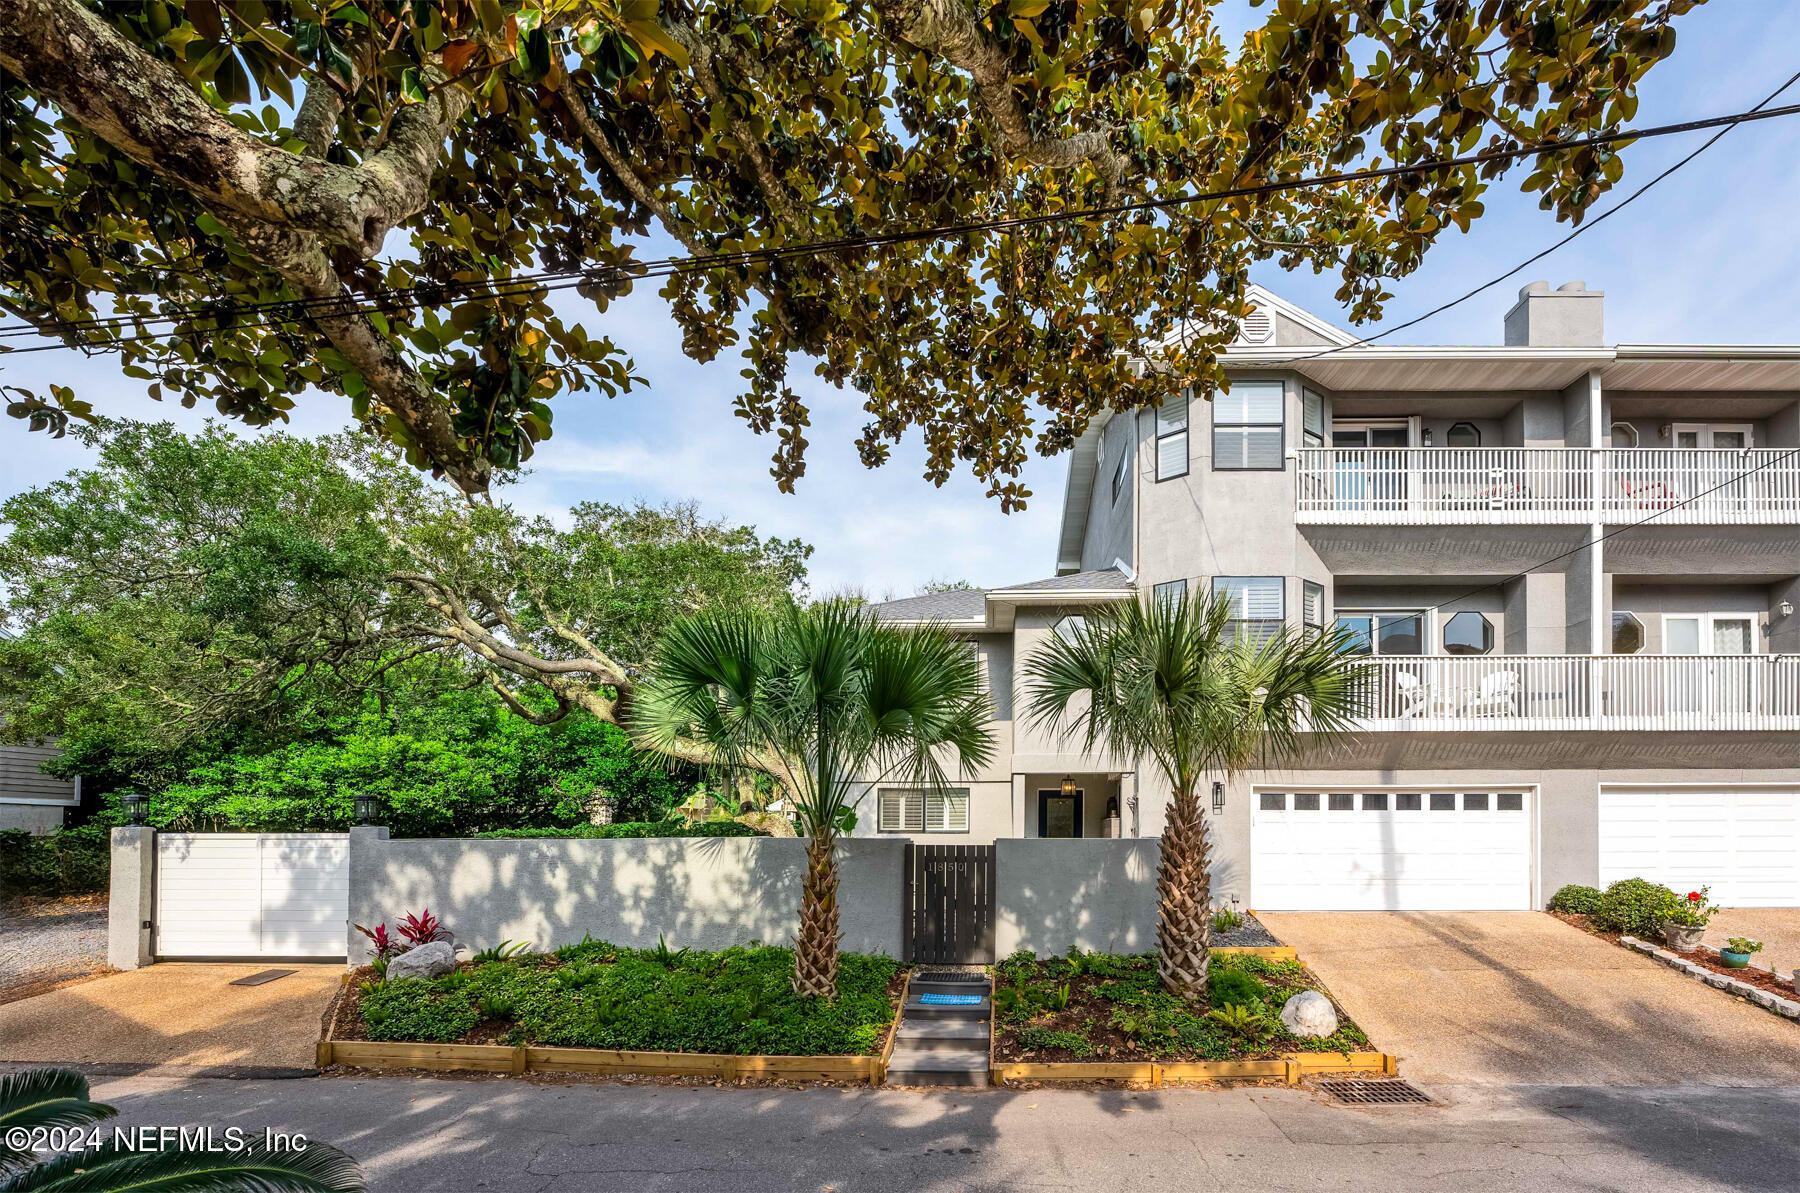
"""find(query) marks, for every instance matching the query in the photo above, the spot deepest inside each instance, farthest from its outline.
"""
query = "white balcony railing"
(1564, 692)
(1459, 486)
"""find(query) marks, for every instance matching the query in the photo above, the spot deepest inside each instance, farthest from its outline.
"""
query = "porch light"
(367, 809)
(137, 806)
(1218, 796)
(1068, 786)
(1786, 608)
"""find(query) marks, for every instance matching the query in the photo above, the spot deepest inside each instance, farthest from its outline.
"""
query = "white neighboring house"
(29, 798)
(1556, 698)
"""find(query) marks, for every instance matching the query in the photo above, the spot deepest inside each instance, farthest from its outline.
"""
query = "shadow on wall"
(702, 893)
(1098, 896)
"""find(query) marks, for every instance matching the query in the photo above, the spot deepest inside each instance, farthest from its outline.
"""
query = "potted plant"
(1737, 950)
(1686, 920)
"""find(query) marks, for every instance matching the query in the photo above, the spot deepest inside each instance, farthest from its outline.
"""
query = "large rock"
(1309, 1015)
(432, 960)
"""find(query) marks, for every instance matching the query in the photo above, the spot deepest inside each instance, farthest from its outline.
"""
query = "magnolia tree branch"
(948, 29)
(144, 108)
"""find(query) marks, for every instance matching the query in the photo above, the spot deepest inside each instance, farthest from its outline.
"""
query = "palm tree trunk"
(816, 948)
(1184, 899)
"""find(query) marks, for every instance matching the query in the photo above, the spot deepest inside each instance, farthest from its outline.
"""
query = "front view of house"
(1572, 567)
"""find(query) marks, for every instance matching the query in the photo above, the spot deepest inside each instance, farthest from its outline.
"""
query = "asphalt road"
(498, 1134)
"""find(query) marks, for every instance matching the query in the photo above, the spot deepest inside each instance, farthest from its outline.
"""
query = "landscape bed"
(1099, 1016)
(599, 1008)
(1706, 957)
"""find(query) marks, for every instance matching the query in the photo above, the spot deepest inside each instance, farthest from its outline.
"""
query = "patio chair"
(1413, 694)
(1497, 695)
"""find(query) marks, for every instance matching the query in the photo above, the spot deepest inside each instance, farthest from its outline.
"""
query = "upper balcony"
(1668, 693)
(1448, 486)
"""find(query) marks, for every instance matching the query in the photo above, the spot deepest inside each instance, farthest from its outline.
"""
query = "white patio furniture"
(1497, 696)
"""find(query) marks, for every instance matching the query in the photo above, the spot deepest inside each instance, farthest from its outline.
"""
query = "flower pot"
(1683, 938)
(1732, 959)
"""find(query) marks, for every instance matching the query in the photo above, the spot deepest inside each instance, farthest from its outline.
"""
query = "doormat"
(1376, 1093)
(961, 977)
(267, 975)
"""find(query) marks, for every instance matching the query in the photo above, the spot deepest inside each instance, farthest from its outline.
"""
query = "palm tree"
(1178, 682)
(31, 1099)
(829, 701)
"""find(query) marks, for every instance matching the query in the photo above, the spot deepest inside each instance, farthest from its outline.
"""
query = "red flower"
(1693, 896)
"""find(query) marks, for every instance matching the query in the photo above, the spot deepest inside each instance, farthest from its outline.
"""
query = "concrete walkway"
(514, 1136)
(183, 1017)
(1521, 997)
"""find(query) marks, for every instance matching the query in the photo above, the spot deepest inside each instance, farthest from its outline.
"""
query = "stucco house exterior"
(1557, 698)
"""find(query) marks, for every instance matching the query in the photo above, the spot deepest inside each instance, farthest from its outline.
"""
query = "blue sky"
(1710, 255)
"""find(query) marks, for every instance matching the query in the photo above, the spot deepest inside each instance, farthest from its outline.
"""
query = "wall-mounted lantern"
(1068, 786)
(1218, 796)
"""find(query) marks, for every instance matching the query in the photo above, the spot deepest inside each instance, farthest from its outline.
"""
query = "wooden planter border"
(1291, 1068)
(1274, 952)
(525, 1058)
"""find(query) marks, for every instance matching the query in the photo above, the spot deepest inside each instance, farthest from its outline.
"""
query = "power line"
(436, 294)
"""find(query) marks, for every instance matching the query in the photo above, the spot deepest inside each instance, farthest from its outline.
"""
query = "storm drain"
(952, 975)
(1376, 1093)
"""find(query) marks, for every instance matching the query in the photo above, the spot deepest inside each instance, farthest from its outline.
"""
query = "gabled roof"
(993, 608)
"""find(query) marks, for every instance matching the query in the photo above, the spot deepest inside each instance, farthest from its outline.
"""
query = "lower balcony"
(1485, 693)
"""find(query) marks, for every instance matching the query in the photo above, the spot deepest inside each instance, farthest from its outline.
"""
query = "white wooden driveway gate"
(228, 895)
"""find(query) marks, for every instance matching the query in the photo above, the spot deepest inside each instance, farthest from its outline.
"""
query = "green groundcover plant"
(597, 995)
(1099, 1004)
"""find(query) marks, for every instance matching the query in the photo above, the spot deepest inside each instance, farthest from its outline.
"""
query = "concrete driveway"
(177, 1019)
(1521, 997)
(1777, 927)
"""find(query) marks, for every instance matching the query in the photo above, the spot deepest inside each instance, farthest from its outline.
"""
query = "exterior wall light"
(1068, 786)
(367, 809)
(137, 806)
(1218, 796)
(1786, 608)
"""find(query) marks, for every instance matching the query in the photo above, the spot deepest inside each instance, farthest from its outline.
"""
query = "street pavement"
(522, 1135)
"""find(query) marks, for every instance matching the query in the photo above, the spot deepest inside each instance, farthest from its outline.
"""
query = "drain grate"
(952, 975)
(1376, 1093)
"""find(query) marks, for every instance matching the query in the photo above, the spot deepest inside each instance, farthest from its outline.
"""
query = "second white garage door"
(1743, 842)
(1391, 850)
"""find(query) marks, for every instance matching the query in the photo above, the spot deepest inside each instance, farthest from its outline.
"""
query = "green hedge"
(607, 832)
(1576, 900)
(595, 995)
(75, 861)
(1635, 906)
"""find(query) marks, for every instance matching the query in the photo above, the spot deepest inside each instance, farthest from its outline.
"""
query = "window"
(1306, 802)
(1258, 607)
(1406, 801)
(1172, 437)
(1312, 419)
(1462, 435)
(1624, 435)
(1475, 801)
(1274, 801)
(1312, 606)
(1627, 633)
(981, 675)
(1169, 590)
(1443, 801)
(1374, 801)
(913, 810)
(1342, 801)
(1247, 427)
(1121, 470)
(1398, 632)
(1070, 627)
(1510, 801)
(1468, 633)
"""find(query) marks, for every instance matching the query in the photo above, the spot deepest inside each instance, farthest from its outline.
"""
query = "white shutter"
(1172, 414)
(1249, 402)
(947, 811)
(902, 811)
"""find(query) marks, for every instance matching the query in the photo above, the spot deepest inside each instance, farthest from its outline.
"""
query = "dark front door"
(950, 904)
(1059, 815)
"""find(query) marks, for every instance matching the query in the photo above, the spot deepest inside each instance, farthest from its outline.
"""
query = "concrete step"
(943, 1035)
(918, 986)
(914, 1009)
(938, 1068)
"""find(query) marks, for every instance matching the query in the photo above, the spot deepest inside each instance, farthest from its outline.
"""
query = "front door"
(1366, 477)
(1733, 436)
(1712, 681)
(1059, 815)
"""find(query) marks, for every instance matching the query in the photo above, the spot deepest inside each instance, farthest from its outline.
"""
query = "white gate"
(252, 894)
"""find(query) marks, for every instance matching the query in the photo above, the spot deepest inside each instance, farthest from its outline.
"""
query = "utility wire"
(436, 294)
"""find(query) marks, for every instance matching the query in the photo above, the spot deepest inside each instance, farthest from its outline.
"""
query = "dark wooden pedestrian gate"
(950, 904)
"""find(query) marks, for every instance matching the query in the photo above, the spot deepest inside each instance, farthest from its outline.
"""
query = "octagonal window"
(1069, 628)
(1628, 633)
(1468, 632)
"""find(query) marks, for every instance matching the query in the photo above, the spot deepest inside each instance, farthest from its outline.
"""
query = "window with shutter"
(1312, 418)
(1258, 606)
(1313, 611)
(1247, 427)
(1171, 590)
(1172, 437)
(1121, 471)
(913, 810)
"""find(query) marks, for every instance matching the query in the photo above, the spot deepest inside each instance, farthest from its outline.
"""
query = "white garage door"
(252, 894)
(1391, 851)
(1743, 842)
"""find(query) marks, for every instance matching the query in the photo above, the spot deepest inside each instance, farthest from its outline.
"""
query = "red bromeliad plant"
(385, 945)
(423, 928)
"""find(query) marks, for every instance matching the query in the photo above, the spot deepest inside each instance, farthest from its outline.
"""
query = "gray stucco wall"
(1051, 896)
(130, 897)
(703, 893)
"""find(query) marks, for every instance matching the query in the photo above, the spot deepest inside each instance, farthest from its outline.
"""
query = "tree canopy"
(185, 583)
(398, 166)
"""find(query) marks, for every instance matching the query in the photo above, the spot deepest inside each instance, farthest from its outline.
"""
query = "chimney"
(1566, 317)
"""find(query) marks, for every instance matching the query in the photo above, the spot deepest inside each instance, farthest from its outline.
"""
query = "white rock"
(1309, 1015)
(427, 961)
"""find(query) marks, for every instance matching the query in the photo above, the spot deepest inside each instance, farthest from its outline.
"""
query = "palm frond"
(314, 1168)
(31, 1098)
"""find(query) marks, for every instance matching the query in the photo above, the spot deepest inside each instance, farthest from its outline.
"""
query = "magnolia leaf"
(457, 54)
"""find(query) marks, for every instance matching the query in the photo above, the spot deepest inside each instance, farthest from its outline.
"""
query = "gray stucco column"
(1018, 805)
(366, 848)
(131, 906)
